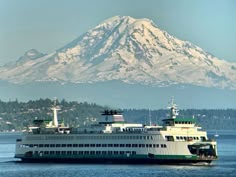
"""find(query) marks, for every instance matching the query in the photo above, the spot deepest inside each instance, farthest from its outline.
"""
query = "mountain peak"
(126, 49)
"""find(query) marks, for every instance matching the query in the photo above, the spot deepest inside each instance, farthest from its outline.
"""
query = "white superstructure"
(113, 140)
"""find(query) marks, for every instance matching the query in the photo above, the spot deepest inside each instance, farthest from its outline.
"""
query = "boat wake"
(201, 164)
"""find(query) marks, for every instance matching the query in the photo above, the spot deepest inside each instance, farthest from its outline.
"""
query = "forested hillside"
(212, 119)
(16, 116)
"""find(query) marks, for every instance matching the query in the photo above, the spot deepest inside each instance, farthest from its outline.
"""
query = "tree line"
(17, 116)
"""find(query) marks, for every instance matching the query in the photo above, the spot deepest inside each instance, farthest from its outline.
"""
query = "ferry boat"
(112, 140)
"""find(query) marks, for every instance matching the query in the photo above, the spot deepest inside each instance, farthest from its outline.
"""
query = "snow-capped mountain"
(126, 49)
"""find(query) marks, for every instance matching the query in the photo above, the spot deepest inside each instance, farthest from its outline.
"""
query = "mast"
(173, 109)
(55, 108)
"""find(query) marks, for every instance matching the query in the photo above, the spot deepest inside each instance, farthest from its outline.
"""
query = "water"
(225, 166)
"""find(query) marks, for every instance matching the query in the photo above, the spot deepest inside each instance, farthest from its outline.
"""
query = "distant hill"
(16, 116)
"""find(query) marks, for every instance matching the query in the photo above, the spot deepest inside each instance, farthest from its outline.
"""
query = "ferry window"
(69, 145)
(98, 145)
(154, 145)
(104, 152)
(116, 152)
(109, 152)
(104, 145)
(163, 145)
(128, 145)
(148, 137)
(46, 152)
(133, 152)
(116, 145)
(74, 152)
(26, 146)
(63, 152)
(69, 152)
(92, 152)
(86, 152)
(80, 152)
(146, 145)
(140, 137)
(134, 145)
(157, 145)
(98, 152)
(110, 145)
(203, 138)
(81, 145)
(58, 145)
(150, 145)
(140, 145)
(181, 138)
(46, 145)
(122, 145)
(52, 152)
(57, 152)
(169, 138)
(52, 145)
(122, 152)
(41, 145)
(35, 145)
(86, 145)
(177, 137)
(75, 145)
(92, 145)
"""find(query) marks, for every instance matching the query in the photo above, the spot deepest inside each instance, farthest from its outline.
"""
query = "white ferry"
(179, 140)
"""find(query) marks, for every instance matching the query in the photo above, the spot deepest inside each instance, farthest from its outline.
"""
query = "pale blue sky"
(47, 25)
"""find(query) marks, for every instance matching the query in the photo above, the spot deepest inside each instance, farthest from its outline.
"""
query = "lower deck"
(113, 157)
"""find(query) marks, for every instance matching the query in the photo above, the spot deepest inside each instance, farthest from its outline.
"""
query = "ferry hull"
(117, 160)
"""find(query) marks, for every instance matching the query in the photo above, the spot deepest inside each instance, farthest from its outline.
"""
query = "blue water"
(224, 167)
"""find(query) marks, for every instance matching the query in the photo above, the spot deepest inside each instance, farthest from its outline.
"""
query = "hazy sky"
(47, 25)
